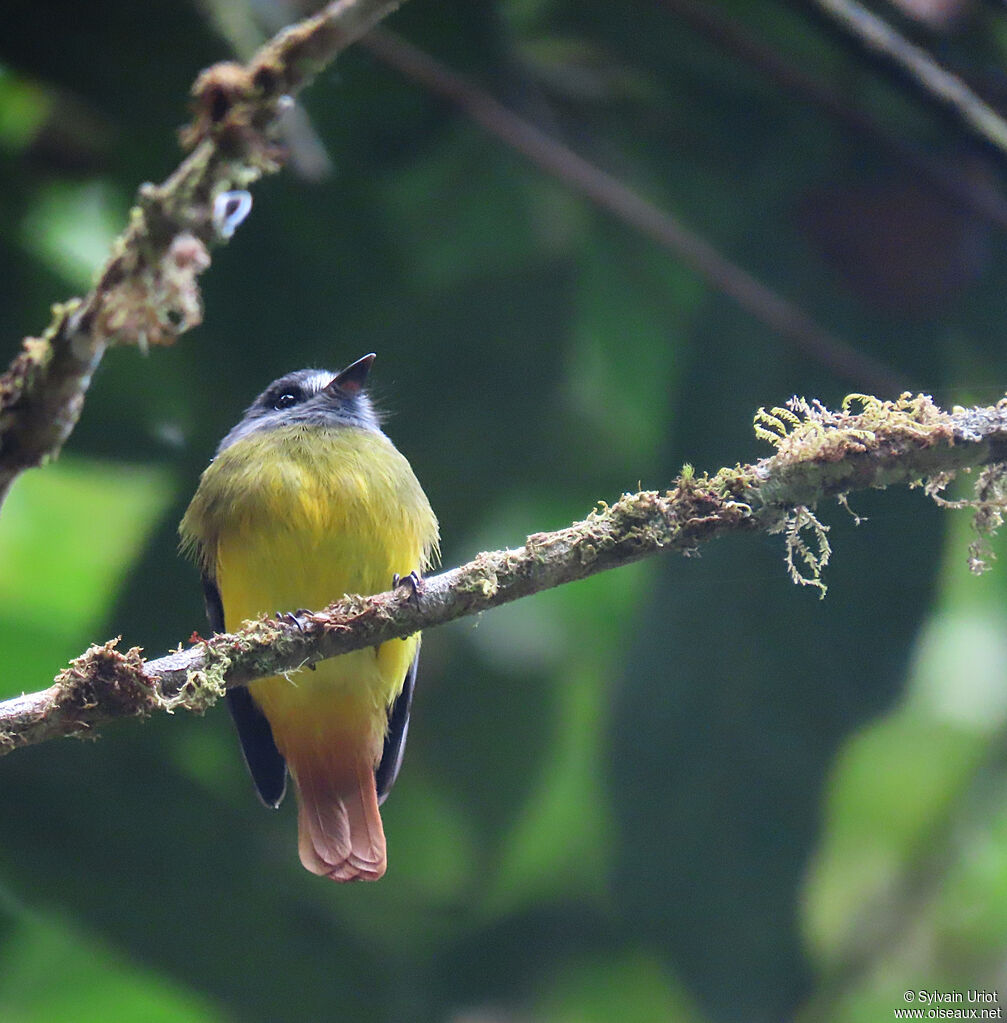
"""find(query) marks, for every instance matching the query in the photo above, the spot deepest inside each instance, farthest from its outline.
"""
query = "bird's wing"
(395, 738)
(265, 762)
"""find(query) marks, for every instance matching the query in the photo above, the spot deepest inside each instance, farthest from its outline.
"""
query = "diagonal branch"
(969, 193)
(938, 84)
(820, 454)
(609, 193)
(147, 292)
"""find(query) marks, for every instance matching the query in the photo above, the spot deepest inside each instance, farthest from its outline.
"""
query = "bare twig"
(936, 82)
(147, 292)
(819, 454)
(971, 195)
(611, 194)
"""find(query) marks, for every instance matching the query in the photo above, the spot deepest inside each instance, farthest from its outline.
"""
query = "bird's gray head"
(310, 397)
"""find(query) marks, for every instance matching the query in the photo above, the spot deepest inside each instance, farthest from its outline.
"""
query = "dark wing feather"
(395, 738)
(265, 762)
(214, 605)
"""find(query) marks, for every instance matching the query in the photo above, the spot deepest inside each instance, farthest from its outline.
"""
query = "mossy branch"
(820, 454)
(147, 293)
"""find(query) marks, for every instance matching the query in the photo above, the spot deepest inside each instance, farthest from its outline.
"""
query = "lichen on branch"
(147, 293)
(819, 455)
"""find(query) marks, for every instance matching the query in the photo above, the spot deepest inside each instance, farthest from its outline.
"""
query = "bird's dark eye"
(286, 399)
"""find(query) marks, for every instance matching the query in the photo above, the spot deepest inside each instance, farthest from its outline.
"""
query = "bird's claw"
(412, 580)
(298, 619)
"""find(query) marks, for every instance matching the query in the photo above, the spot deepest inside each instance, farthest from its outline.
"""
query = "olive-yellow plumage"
(292, 515)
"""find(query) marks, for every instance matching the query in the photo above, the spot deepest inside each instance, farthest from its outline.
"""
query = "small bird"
(306, 500)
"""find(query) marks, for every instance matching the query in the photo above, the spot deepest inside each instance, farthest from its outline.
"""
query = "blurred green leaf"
(68, 535)
(71, 225)
(447, 209)
(23, 107)
(910, 867)
(893, 787)
(631, 987)
(95, 984)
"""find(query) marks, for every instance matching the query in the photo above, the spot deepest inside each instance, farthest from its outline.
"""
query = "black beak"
(353, 378)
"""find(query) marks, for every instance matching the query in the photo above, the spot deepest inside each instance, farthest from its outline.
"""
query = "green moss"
(202, 688)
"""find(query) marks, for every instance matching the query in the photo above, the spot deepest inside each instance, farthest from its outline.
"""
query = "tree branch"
(147, 292)
(779, 314)
(874, 33)
(971, 194)
(819, 454)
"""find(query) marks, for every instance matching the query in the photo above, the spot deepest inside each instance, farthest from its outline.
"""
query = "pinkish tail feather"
(339, 825)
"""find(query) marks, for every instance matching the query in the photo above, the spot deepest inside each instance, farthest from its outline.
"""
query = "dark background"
(688, 790)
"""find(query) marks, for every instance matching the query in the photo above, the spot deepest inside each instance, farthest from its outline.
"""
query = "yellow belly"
(348, 694)
(301, 517)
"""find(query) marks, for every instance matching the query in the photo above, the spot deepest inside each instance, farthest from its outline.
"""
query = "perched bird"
(306, 500)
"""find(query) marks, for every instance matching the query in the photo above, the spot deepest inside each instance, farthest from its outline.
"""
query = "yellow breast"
(294, 518)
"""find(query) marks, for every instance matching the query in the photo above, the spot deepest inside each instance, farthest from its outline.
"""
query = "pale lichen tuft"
(815, 556)
(990, 504)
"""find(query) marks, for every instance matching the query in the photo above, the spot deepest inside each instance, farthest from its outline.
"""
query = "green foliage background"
(683, 791)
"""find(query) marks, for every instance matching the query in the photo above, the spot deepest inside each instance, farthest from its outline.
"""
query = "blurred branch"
(147, 292)
(605, 190)
(819, 454)
(243, 26)
(938, 84)
(970, 194)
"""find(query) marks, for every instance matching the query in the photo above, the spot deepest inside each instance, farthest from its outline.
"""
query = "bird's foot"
(298, 619)
(413, 581)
